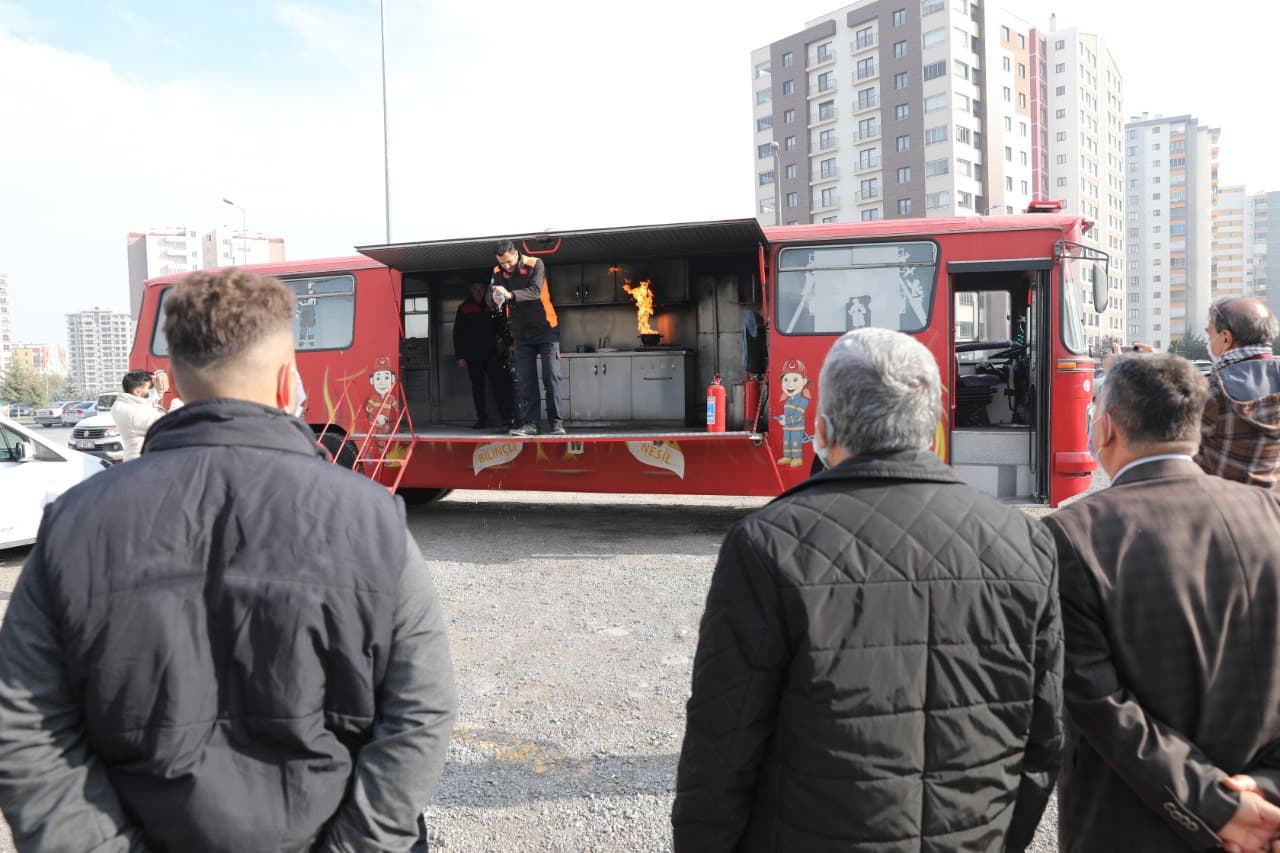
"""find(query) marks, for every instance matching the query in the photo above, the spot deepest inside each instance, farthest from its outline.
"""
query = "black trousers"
(494, 368)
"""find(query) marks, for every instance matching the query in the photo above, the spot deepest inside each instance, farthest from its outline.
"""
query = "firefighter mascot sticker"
(382, 410)
(795, 411)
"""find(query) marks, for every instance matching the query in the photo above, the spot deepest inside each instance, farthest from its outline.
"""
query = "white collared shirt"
(1159, 457)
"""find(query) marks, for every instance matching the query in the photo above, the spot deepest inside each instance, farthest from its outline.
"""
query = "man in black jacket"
(521, 283)
(480, 341)
(880, 660)
(228, 644)
(1170, 588)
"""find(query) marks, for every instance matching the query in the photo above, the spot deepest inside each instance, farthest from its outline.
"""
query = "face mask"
(299, 393)
(821, 450)
(1093, 451)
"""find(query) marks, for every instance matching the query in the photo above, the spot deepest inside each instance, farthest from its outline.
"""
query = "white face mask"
(300, 394)
(819, 449)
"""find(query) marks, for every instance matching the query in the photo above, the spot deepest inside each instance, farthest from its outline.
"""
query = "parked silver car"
(51, 415)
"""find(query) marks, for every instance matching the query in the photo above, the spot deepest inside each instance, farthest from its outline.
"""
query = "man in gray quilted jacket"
(880, 660)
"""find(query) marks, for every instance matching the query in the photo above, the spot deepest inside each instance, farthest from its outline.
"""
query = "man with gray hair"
(1170, 584)
(880, 659)
(1240, 428)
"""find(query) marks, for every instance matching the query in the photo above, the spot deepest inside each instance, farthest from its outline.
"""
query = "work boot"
(526, 431)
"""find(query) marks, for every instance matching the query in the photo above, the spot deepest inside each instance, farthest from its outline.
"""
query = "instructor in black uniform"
(480, 344)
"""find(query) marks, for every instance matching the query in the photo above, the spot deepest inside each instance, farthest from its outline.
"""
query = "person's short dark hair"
(135, 379)
(213, 317)
(1249, 320)
(1155, 399)
(503, 247)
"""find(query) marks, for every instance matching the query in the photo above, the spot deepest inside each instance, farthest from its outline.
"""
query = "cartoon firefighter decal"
(382, 412)
(795, 411)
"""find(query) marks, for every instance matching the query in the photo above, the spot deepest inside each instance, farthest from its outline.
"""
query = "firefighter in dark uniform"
(480, 345)
(520, 284)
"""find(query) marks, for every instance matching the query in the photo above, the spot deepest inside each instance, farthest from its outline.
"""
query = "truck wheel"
(419, 497)
(345, 455)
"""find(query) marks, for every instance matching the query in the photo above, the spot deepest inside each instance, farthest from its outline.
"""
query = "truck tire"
(421, 497)
(344, 455)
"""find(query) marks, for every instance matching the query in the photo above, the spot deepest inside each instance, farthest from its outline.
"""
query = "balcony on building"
(832, 205)
(824, 115)
(823, 176)
(869, 195)
(869, 165)
(824, 55)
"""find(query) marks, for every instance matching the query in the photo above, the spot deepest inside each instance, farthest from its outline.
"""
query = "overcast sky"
(504, 116)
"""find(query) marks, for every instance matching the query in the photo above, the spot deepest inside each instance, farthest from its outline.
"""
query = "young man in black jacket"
(229, 643)
(879, 665)
(480, 343)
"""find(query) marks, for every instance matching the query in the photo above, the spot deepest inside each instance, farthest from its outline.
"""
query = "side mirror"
(1101, 287)
(22, 452)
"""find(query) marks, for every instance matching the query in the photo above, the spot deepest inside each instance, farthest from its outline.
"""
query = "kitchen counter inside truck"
(646, 384)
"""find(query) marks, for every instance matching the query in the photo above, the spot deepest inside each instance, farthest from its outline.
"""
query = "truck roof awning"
(574, 247)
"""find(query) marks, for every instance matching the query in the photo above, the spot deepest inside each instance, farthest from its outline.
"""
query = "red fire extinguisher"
(715, 405)
(750, 402)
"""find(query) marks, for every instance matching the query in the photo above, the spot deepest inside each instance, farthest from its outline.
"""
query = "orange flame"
(643, 295)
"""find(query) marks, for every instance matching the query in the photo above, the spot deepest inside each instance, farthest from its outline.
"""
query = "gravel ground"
(573, 621)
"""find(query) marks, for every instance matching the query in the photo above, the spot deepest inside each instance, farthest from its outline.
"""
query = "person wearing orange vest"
(520, 283)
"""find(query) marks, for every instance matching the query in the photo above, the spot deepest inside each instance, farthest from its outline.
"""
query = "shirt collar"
(1238, 354)
(1159, 457)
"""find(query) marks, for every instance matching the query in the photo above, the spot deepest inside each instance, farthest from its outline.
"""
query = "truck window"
(324, 317)
(829, 290)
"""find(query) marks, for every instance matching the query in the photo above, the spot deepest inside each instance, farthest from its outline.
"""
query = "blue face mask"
(820, 450)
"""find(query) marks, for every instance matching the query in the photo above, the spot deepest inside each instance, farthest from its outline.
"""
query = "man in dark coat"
(229, 643)
(879, 663)
(1170, 586)
(480, 342)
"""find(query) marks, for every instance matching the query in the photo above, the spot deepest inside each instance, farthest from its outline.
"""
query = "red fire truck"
(1000, 302)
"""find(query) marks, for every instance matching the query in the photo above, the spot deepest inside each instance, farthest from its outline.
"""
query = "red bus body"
(402, 402)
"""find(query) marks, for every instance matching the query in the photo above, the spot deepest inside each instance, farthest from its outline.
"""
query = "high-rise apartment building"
(1081, 159)
(98, 344)
(1238, 255)
(164, 251)
(1266, 233)
(1171, 180)
(6, 330)
(887, 109)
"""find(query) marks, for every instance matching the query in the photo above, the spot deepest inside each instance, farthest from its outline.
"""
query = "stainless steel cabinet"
(599, 388)
(658, 386)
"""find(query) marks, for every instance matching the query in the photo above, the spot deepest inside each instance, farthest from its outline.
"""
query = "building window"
(789, 143)
(1008, 154)
(827, 220)
(788, 116)
(827, 168)
(899, 49)
(901, 111)
(868, 128)
(788, 87)
(868, 158)
(964, 200)
(900, 80)
(824, 52)
(904, 143)
(1022, 101)
(1022, 71)
(866, 98)
(865, 37)
(1060, 44)
(827, 140)
(790, 171)
(1060, 114)
(934, 135)
(934, 37)
(763, 151)
(793, 199)
(1004, 34)
(933, 168)
(766, 178)
(904, 174)
(904, 207)
(866, 68)
(869, 189)
(934, 70)
(962, 134)
(871, 215)
(933, 201)
(826, 81)
(762, 69)
(1022, 42)
(787, 60)
(899, 17)
(764, 96)
(764, 123)
(933, 103)
(829, 197)
(826, 110)
(1008, 94)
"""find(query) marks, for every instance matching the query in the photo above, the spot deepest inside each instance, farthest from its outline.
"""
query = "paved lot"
(573, 620)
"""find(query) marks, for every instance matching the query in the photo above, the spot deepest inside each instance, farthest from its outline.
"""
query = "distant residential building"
(98, 345)
(1171, 181)
(888, 110)
(1081, 153)
(41, 358)
(1238, 255)
(180, 249)
(6, 343)
(1266, 219)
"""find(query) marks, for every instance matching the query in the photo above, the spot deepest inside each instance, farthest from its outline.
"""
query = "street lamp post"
(777, 183)
(386, 139)
(244, 238)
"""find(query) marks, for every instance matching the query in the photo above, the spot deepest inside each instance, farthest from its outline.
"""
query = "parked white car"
(98, 436)
(33, 473)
